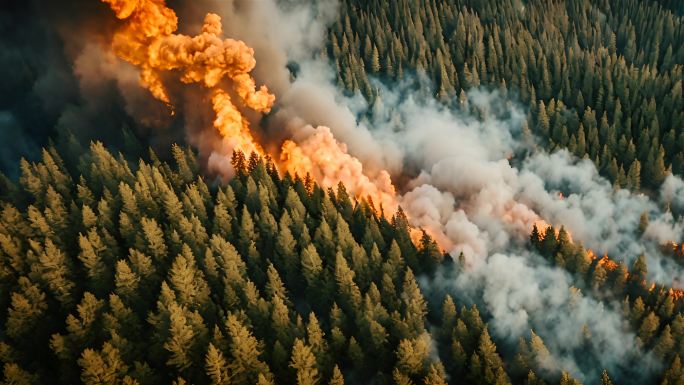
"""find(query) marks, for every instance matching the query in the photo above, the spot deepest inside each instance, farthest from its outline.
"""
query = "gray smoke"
(480, 203)
(672, 193)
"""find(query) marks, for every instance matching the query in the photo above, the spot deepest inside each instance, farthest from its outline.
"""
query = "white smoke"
(481, 166)
(672, 192)
(521, 293)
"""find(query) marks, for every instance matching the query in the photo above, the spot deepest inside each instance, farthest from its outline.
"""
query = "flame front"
(328, 162)
(147, 40)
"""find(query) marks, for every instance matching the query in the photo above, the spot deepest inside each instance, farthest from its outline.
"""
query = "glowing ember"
(608, 263)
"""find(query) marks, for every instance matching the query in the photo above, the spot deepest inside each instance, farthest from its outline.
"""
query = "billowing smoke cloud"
(481, 189)
(483, 184)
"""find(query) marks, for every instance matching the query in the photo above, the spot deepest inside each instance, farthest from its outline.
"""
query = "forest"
(265, 278)
(144, 274)
(122, 265)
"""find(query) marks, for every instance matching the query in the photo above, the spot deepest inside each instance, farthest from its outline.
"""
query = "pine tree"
(28, 307)
(153, 243)
(216, 367)
(104, 367)
(412, 356)
(126, 281)
(435, 376)
(188, 282)
(415, 307)
(181, 337)
(304, 363)
(244, 366)
(15, 375)
(315, 338)
(337, 378)
(648, 328)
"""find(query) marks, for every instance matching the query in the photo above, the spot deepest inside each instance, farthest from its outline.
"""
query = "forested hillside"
(602, 78)
(145, 274)
(142, 273)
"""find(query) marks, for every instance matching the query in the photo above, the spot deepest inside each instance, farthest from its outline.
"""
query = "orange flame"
(676, 294)
(604, 261)
(147, 40)
(591, 254)
(678, 249)
(542, 226)
(327, 161)
(608, 263)
(231, 124)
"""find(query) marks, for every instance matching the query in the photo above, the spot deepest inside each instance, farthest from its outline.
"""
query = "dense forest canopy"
(130, 267)
(142, 273)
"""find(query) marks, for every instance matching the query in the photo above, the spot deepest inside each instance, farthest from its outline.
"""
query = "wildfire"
(591, 254)
(608, 263)
(604, 261)
(231, 125)
(542, 226)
